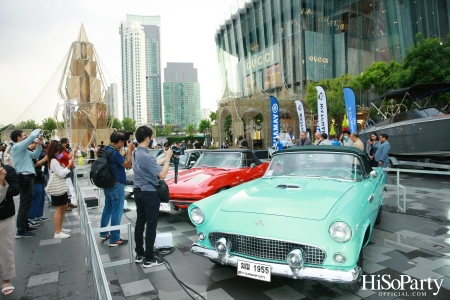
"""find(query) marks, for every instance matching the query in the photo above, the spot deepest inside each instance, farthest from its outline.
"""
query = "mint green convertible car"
(308, 217)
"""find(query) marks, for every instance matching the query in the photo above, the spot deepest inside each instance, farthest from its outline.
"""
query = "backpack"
(101, 174)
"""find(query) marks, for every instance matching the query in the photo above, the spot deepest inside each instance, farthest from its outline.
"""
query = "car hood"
(311, 198)
(196, 176)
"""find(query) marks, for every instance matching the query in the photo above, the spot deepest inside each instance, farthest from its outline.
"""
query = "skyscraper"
(181, 94)
(113, 100)
(151, 26)
(205, 113)
(133, 72)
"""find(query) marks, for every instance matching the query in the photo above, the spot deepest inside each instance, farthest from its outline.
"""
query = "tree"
(191, 129)
(29, 124)
(228, 123)
(116, 123)
(168, 130)
(380, 77)
(159, 130)
(129, 125)
(213, 116)
(427, 62)
(204, 124)
(335, 96)
(48, 125)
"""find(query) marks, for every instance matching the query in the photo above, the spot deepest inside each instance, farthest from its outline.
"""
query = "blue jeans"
(147, 208)
(113, 210)
(37, 205)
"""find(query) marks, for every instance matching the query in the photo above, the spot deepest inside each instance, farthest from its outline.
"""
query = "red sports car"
(214, 171)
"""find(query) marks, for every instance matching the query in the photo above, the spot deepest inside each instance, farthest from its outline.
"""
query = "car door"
(374, 185)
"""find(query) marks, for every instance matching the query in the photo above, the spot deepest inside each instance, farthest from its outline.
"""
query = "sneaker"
(66, 230)
(31, 229)
(138, 259)
(71, 205)
(41, 219)
(125, 210)
(49, 204)
(69, 208)
(33, 224)
(61, 235)
(24, 235)
(120, 242)
(155, 261)
(105, 237)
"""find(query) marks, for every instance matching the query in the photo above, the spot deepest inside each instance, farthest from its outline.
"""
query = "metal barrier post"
(130, 242)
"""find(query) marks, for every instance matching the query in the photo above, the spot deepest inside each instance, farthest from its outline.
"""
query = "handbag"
(163, 190)
(56, 185)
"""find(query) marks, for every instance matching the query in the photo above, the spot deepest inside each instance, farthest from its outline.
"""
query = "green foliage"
(191, 129)
(168, 129)
(258, 119)
(61, 124)
(204, 124)
(129, 124)
(49, 124)
(29, 124)
(115, 123)
(179, 139)
(159, 131)
(213, 116)
(427, 62)
(335, 96)
(228, 123)
(380, 77)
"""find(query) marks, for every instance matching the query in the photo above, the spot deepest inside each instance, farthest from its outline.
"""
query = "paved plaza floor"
(417, 245)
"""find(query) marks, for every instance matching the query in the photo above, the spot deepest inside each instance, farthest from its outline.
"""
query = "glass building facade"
(269, 44)
(181, 92)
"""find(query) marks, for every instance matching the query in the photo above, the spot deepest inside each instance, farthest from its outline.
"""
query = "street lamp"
(68, 108)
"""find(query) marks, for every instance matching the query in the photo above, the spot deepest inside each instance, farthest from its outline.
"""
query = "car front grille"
(268, 249)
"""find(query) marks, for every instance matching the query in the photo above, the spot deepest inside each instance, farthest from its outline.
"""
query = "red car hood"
(189, 181)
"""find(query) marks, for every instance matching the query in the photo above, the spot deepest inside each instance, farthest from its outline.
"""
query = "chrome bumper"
(335, 276)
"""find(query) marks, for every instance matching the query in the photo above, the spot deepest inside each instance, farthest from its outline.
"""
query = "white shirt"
(58, 169)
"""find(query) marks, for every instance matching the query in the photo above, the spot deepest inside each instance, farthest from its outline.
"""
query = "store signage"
(262, 59)
(318, 59)
(275, 117)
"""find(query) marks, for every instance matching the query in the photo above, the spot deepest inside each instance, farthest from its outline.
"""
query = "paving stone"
(220, 274)
(284, 293)
(137, 287)
(43, 279)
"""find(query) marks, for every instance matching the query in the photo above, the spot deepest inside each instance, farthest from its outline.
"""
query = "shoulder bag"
(56, 185)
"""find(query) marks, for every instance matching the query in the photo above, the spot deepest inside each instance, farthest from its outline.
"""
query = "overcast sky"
(36, 35)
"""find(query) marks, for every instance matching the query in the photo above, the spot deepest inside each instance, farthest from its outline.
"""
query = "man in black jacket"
(7, 212)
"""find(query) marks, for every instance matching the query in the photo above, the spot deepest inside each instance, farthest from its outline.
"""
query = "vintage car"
(308, 217)
(214, 171)
(186, 161)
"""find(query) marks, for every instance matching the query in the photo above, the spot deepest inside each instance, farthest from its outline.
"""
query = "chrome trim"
(314, 273)
(370, 198)
(264, 237)
(351, 231)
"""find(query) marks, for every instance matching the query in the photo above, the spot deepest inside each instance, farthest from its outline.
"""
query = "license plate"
(254, 270)
(164, 207)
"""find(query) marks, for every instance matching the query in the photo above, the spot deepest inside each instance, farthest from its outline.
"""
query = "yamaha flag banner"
(322, 114)
(350, 107)
(275, 117)
(301, 115)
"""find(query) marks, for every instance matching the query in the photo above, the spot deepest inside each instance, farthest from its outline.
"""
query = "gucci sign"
(318, 59)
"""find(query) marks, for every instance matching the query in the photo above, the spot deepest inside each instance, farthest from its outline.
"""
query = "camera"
(176, 151)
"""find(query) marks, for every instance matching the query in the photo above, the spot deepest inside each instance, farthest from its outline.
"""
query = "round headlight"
(197, 216)
(340, 232)
(339, 258)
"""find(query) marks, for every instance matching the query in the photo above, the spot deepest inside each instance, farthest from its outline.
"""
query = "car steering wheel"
(338, 175)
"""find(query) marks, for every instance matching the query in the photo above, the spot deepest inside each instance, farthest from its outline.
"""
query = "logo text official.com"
(405, 286)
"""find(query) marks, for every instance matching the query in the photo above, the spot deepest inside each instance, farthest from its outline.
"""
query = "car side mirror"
(373, 174)
(252, 165)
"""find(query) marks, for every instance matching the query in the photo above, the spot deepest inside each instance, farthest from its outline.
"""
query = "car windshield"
(227, 160)
(342, 166)
(182, 158)
(154, 153)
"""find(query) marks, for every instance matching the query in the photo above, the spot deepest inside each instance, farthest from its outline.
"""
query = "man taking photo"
(147, 172)
(25, 170)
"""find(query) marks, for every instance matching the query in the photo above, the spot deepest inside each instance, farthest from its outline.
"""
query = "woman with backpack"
(60, 202)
